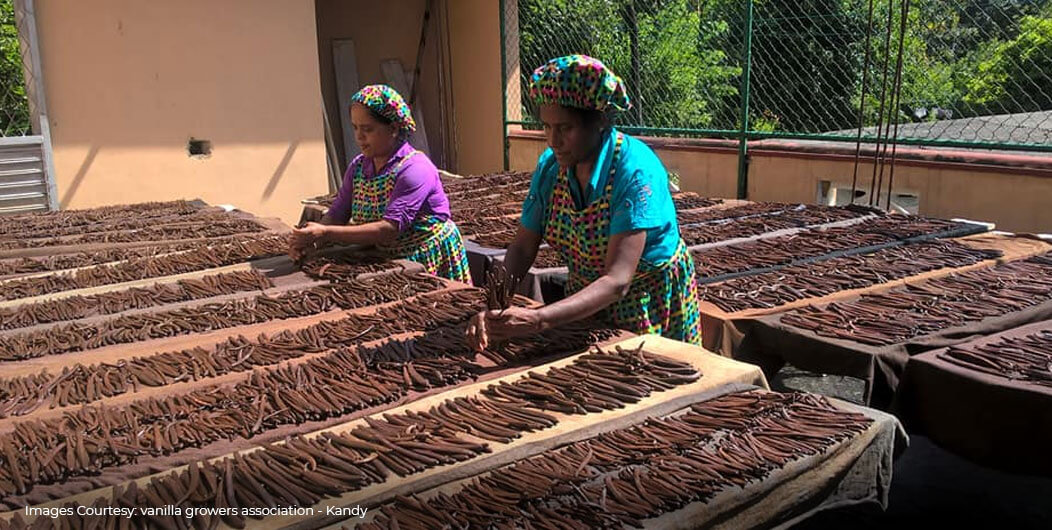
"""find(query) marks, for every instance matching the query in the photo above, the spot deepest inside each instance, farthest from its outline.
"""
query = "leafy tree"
(679, 75)
(1016, 75)
(930, 71)
(14, 107)
(682, 59)
(806, 62)
(14, 110)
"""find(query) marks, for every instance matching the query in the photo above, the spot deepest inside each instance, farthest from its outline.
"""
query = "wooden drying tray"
(274, 266)
(151, 464)
(284, 279)
(285, 284)
(780, 233)
(776, 498)
(272, 225)
(87, 291)
(127, 351)
(714, 321)
(716, 372)
(93, 248)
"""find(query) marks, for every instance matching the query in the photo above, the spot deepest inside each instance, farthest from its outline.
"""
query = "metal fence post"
(504, 85)
(743, 149)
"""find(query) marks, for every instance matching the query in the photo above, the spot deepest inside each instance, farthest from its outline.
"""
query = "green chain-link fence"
(14, 104)
(682, 60)
(975, 73)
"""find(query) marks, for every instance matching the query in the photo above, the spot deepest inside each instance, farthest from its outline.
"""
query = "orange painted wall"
(474, 62)
(129, 82)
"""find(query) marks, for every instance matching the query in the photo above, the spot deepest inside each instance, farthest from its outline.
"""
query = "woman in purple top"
(391, 194)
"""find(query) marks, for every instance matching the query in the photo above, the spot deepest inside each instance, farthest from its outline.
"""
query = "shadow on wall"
(280, 170)
(74, 184)
(68, 195)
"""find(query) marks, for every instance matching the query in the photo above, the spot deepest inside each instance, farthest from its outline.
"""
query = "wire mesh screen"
(681, 59)
(15, 117)
(973, 72)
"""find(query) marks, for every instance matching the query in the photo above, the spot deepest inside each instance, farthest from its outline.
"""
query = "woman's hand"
(476, 336)
(306, 239)
(494, 326)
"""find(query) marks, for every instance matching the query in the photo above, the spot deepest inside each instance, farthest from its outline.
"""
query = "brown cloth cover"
(995, 421)
(767, 342)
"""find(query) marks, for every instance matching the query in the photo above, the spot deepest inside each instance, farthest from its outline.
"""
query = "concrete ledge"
(1012, 162)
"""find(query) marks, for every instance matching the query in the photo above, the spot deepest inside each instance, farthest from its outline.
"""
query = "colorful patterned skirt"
(437, 245)
(662, 300)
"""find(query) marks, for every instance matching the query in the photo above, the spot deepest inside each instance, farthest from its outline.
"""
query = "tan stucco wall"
(523, 153)
(474, 61)
(1015, 202)
(712, 173)
(129, 82)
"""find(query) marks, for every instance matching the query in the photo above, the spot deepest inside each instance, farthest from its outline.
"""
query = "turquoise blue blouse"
(640, 196)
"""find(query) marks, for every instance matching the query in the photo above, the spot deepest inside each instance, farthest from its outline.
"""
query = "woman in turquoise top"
(600, 198)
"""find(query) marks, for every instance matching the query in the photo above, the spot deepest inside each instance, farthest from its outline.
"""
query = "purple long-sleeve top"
(417, 189)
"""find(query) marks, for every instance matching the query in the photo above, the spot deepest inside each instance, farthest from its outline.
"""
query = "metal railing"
(26, 169)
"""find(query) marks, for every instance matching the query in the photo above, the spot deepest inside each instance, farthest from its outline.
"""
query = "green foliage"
(14, 107)
(684, 74)
(805, 59)
(765, 122)
(1016, 75)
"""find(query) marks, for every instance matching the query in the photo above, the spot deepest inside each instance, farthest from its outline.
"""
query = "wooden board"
(208, 339)
(402, 82)
(716, 373)
(271, 225)
(264, 264)
(345, 65)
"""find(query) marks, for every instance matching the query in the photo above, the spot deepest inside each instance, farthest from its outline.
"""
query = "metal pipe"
(877, 158)
(862, 101)
(743, 150)
(897, 95)
(504, 86)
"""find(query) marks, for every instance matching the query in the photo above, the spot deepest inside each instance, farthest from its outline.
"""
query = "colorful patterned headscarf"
(388, 103)
(578, 81)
